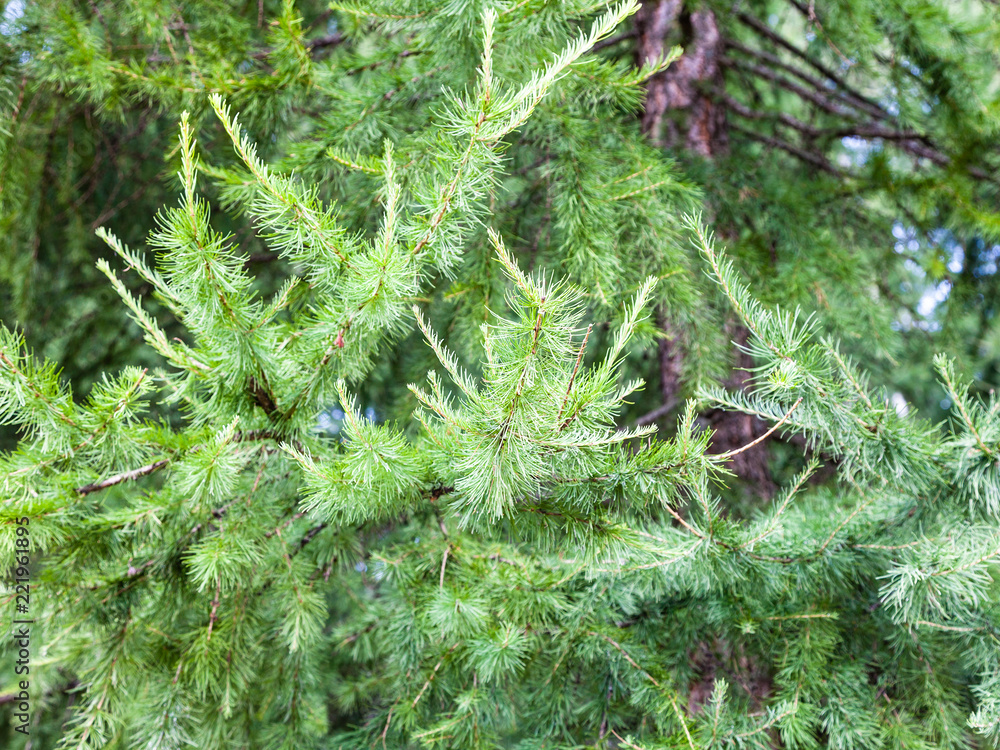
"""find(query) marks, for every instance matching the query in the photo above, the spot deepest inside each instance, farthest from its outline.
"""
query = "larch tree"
(486, 375)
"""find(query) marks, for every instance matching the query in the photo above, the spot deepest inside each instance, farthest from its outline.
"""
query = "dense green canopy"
(501, 374)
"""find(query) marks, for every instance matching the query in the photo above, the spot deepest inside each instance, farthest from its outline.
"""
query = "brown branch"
(128, 476)
(431, 678)
(308, 537)
(657, 413)
(611, 41)
(859, 131)
(737, 451)
(907, 138)
(125, 476)
(911, 142)
(914, 143)
(810, 158)
(330, 40)
(823, 102)
(745, 112)
(260, 258)
(254, 435)
(861, 100)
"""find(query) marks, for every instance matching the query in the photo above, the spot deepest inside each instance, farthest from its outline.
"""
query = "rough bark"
(653, 22)
(734, 430)
(670, 360)
(679, 87)
(707, 128)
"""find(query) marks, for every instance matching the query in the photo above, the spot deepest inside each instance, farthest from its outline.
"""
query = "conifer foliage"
(503, 563)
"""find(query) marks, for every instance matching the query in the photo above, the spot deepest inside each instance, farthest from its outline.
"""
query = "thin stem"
(765, 436)
(125, 476)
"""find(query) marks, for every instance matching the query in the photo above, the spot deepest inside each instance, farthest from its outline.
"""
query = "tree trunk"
(681, 91)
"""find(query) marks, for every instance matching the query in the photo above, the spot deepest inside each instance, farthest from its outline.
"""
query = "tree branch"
(846, 96)
(657, 413)
(859, 131)
(834, 108)
(125, 476)
(861, 100)
(807, 156)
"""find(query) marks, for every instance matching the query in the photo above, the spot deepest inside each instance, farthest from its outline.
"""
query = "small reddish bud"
(339, 343)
